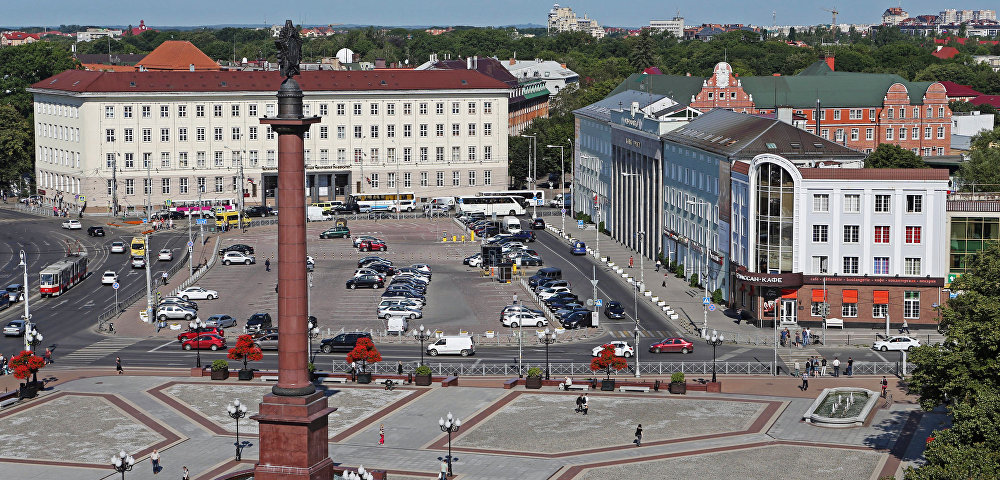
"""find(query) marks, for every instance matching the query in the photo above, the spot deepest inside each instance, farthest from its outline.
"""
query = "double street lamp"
(562, 173)
(715, 341)
(548, 337)
(237, 411)
(451, 426)
(422, 336)
(27, 313)
(198, 325)
(122, 463)
(361, 474)
(313, 332)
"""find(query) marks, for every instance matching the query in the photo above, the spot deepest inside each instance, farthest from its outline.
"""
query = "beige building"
(116, 137)
(564, 19)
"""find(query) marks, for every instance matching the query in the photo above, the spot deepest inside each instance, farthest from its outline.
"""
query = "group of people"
(582, 404)
(814, 364)
(806, 338)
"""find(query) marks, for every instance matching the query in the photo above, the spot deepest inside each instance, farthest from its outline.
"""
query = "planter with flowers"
(606, 362)
(364, 352)
(220, 370)
(677, 384)
(26, 364)
(245, 351)
(534, 378)
(422, 376)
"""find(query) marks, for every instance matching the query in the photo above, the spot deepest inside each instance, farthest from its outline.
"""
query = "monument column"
(293, 417)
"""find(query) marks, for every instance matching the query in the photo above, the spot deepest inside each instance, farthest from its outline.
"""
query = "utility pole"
(242, 186)
(201, 225)
(114, 184)
(149, 283)
(531, 181)
(190, 249)
(562, 174)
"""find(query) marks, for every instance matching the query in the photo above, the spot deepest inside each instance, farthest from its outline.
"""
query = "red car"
(207, 330)
(675, 344)
(209, 341)
(372, 245)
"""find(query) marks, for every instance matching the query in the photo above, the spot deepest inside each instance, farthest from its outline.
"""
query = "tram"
(55, 279)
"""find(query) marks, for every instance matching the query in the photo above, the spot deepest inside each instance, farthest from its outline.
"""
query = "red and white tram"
(62, 275)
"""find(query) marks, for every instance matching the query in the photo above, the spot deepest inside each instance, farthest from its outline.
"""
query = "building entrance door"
(788, 311)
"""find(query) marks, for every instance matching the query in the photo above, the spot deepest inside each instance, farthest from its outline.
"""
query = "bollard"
(463, 238)
(472, 236)
(454, 238)
(444, 239)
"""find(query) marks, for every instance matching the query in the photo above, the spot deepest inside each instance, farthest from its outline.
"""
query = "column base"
(294, 438)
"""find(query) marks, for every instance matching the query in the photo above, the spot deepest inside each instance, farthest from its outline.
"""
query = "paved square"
(611, 421)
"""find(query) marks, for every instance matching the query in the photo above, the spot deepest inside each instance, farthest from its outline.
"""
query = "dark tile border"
(771, 409)
(169, 437)
(902, 444)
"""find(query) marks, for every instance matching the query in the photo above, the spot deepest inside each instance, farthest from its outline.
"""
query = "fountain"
(841, 407)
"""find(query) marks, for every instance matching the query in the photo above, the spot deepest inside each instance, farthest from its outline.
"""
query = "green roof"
(678, 87)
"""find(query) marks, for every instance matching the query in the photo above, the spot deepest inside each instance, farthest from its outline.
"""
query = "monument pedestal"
(294, 438)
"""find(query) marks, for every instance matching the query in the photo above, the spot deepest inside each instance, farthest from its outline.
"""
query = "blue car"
(579, 248)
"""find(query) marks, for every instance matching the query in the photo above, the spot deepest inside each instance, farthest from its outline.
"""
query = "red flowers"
(245, 350)
(364, 352)
(607, 361)
(25, 364)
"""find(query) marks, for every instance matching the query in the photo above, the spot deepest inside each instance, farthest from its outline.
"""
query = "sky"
(452, 12)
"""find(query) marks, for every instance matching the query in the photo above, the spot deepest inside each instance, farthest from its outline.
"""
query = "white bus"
(490, 206)
(390, 202)
(531, 197)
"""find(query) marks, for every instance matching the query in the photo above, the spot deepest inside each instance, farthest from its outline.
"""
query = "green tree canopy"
(17, 146)
(892, 156)
(981, 173)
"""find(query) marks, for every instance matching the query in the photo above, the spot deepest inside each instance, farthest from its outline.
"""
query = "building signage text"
(876, 281)
(633, 143)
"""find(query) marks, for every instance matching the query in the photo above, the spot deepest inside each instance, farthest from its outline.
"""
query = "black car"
(372, 259)
(538, 224)
(180, 301)
(95, 231)
(365, 281)
(614, 310)
(259, 321)
(258, 211)
(239, 247)
(579, 319)
(416, 287)
(404, 293)
(524, 236)
(16, 292)
(527, 259)
(344, 342)
(561, 297)
(383, 268)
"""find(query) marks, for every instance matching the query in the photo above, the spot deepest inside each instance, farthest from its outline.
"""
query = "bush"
(677, 377)
(534, 372)
(694, 280)
(679, 270)
(717, 296)
(673, 266)
(423, 370)
(220, 365)
(583, 216)
(311, 367)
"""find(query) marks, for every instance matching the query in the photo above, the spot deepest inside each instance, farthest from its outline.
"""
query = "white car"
(513, 246)
(622, 349)
(367, 271)
(138, 261)
(109, 278)
(399, 311)
(423, 267)
(117, 247)
(408, 303)
(175, 312)
(238, 257)
(197, 293)
(72, 225)
(515, 320)
(476, 261)
(165, 255)
(548, 292)
(896, 343)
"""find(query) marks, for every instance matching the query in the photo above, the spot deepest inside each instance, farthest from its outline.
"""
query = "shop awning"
(850, 296)
(789, 293)
(881, 297)
(819, 295)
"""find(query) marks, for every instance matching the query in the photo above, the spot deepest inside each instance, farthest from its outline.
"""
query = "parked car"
(544, 275)
(402, 293)
(549, 292)
(95, 231)
(673, 344)
(267, 342)
(72, 225)
(16, 292)
(452, 345)
(188, 335)
(258, 211)
(538, 224)
(579, 248)
(373, 259)
(357, 240)
(238, 257)
(509, 309)
(239, 247)
(138, 261)
(221, 320)
(409, 303)
(258, 321)
(525, 259)
(367, 271)
(117, 247)
(175, 312)
(211, 342)
(423, 267)
(515, 320)
(343, 342)
(165, 255)
(365, 281)
(336, 232)
(622, 349)
(476, 261)
(109, 277)
(614, 310)
(896, 343)
(372, 245)
(382, 268)
(552, 283)
(180, 301)
(14, 328)
(197, 293)
(578, 319)
(399, 311)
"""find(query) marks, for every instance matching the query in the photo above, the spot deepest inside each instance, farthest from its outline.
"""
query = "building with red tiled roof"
(993, 100)
(959, 93)
(13, 39)
(177, 55)
(945, 53)
(140, 29)
(437, 133)
(962, 40)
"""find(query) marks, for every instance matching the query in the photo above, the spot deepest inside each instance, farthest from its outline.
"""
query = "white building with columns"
(120, 136)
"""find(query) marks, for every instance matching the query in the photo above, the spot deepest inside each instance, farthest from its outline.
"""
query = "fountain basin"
(841, 407)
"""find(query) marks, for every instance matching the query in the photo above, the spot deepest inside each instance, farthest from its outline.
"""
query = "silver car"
(14, 329)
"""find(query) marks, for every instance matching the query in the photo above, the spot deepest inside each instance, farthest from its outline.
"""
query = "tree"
(364, 352)
(607, 361)
(245, 351)
(17, 145)
(26, 64)
(970, 448)
(981, 173)
(791, 34)
(887, 155)
(643, 52)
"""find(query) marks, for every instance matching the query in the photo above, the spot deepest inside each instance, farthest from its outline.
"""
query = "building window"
(199, 110)
(200, 134)
(472, 153)
(374, 131)
(940, 112)
(407, 130)
(851, 265)
(200, 160)
(849, 310)
(883, 203)
(882, 234)
(836, 114)
(147, 160)
(852, 203)
(472, 129)
(252, 110)
(889, 133)
(109, 112)
(127, 111)
(165, 186)
(820, 233)
(358, 155)
(252, 133)
(147, 135)
(218, 184)
(217, 134)
(839, 135)
(439, 108)
(821, 202)
(109, 134)
(324, 109)
(216, 110)
(913, 234)
(902, 112)
(423, 179)
(391, 180)
(358, 132)
(129, 186)
(854, 134)
(324, 132)
(472, 108)
(164, 159)
(914, 203)
(341, 155)
(407, 182)
(487, 107)
(927, 133)
(456, 177)
(911, 304)
(374, 155)
(146, 112)
(374, 108)
(423, 109)
(182, 134)
(423, 154)
(390, 109)
(487, 177)
(472, 178)
(236, 133)
(182, 159)
(219, 161)
(456, 108)
(889, 113)
(202, 184)
(390, 131)
(184, 185)
(869, 134)
(825, 133)
(439, 130)
(407, 108)
(851, 233)
(456, 154)
(440, 179)
(940, 132)
(423, 129)
(880, 266)
(902, 133)
(147, 186)
(439, 154)
(855, 114)
(164, 134)
(357, 109)
(487, 152)
(821, 264)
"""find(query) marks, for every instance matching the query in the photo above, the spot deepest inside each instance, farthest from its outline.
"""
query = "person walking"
(905, 328)
(822, 371)
(579, 404)
(399, 368)
(185, 475)
(154, 458)
(586, 404)
(664, 279)
(850, 367)
(381, 434)
(48, 356)
(630, 260)
(638, 436)
(118, 365)
(805, 381)
(444, 470)
(784, 336)
(805, 337)
(267, 264)
(796, 343)
(657, 264)
(885, 386)
(836, 367)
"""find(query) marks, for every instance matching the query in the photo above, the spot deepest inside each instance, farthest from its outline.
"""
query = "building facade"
(555, 75)
(674, 26)
(564, 19)
(118, 138)
(973, 222)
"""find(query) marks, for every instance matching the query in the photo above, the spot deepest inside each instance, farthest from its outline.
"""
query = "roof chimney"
(784, 114)
(468, 63)
(191, 67)
(829, 61)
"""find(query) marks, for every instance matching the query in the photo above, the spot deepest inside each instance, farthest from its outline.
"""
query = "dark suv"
(365, 281)
(95, 231)
(343, 343)
(239, 247)
(258, 321)
(258, 211)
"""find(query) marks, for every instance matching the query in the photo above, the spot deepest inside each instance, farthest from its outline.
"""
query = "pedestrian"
(3, 365)
(809, 364)
(399, 368)
(906, 327)
(805, 337)
(164, 276)
(118, 365)
(154, 458)
(657, 265)
(784, 336)
(885, 386)
(579, 404)
(630, 260)
(815, 365)
(796, 373)
(186, 475)
(638, 436)
(444, 471)
(515, 299)
(664, 279)
(354, 371)
(822, 372)
(850, 367)
(48, 356)
(381, 434)
(836, 367)
(739, 315)
(805, 381)
(586, 404)
(267, 264)
(796, 343)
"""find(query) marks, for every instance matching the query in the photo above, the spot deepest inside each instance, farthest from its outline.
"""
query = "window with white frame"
(883, 203)
(127, 111)
(880, 266)
(836, 114)
(472, 153)
(407, 108)
(254, 159)
(820, 233)
(374, 180)
(423, 154)
(164, 159)
(374, 108)
(439, 108)
(358, 131)
(199, 134)
(147, 112)
(390, 109)
(129, 186)
(456, 154)
(854, 134)
(940, 132)
(147, 135)
(200, 160)
(218, 159)
(147, 159)
(147, 186)
(423, 129)
(849, 310)
(217, 134)
(324, 132)
(218, 184)
(109, 134)
(422, 109)
(407, 180)
(199, 111)
(821, 264)
(472, 129)
(487, 108)
(390, 154)
(852, 203)
(391, 180)
(165, 186)
(927, 132)
(216, 110)
(487, 177)
(341, 109)
(324, 109)
(821, 202)
(109, 112)
(182, 134)
(358, 155)
(341, 155)
(472, 178)
(390, 131)
(487, 152)
(456, 178)
(869, 134)
(252, 110)
(439, 177)
(851, 265)
(164, 134)
(407, 130)
(911, 266)
(423, 179)
(357, 109)
(374, 131)
(183, 185)
(911, 304)
(455, 108)
(439, 154)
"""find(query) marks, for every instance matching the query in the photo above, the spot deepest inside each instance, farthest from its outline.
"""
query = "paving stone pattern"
(778, 461)
(611, 421)
(32, 433)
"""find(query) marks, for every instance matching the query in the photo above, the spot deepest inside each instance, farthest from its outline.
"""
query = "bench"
(335, 380)
(451, 381)
(835, 322)
(269, 378)
(9, 401)
(574, 386)
(633, 388)
(509, 384)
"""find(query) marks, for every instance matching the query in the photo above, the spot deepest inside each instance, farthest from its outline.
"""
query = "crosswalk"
(96, 351)
(627, 334)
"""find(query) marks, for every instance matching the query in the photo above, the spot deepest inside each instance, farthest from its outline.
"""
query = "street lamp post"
(451, 426)
(361, 474)
(122, 463)
(313, 332)
(534, 175)
(27, 313)
(197, 325)
(201, 215)
(548, 337)
(704, 279)
(715, 341)
(562, 172)
(32, 339)
(422, 335)
(237, 411)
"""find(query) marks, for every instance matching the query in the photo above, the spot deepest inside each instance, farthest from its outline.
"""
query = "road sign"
(190, 249)
(562, 210)
(599, 302)
(593, 282)
(579, 223)
(705, 301)
(82, 198)
(953, 295)
(190, 244)
(145, 220)
(711, 308)
(590, 302)
(114, 285)
(201, 221)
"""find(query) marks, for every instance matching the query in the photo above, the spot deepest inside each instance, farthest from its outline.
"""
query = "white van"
(511, 224)
(397, 325)
(454, 345)
(557, 201)
(443, 203)
(315, 214)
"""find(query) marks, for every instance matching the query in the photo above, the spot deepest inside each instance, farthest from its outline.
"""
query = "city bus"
(191, 207)
(490, 205)
(55, 279)
(391, 202)
(138, 245)
(223, 217)
(531, 197)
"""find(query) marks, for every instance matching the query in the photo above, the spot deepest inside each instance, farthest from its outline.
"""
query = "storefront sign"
(875, 281)
(769, 279)
(715, 256)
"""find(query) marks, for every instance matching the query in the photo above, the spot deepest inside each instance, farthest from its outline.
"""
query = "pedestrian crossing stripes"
(97, 351)
(626, 334)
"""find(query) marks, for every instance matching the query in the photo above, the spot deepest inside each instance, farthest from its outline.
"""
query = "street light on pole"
(715, 341)
(313, 332)
(562, 172)
(704, 326)
(197, 325)
(422, 336)
(122, 463)
(451, 426)
(548, 337)
(534, 175)
(237, 411)
(27, 313)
